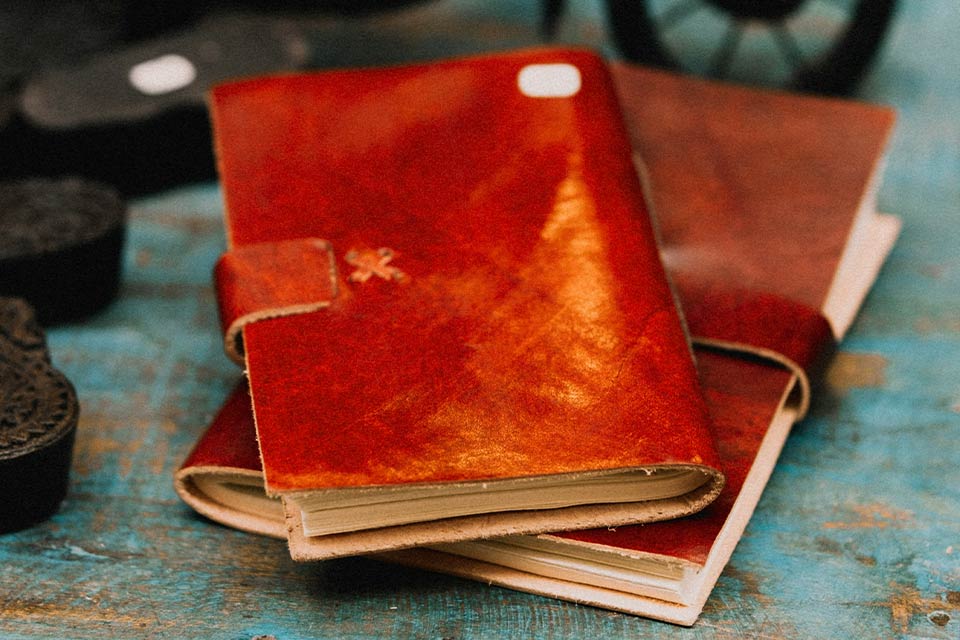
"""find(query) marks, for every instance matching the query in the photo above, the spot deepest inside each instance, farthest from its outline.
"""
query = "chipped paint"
(926, 325)
(935, 271)
(80, 552)
(939, 618)
(856, 371)
(873, 516)
(748, 582)
(834, 548)
(77, 617)
(906, 601)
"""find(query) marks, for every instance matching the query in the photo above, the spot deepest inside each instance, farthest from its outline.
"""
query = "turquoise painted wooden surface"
(857, 535)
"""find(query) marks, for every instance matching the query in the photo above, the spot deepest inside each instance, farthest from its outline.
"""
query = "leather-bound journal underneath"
(765, 204)
(445, 289)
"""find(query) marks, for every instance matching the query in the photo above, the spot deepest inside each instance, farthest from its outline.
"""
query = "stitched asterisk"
(370, 262)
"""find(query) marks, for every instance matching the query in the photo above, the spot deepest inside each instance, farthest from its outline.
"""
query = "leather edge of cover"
(193, 496)
(496, 524)
(439, 562)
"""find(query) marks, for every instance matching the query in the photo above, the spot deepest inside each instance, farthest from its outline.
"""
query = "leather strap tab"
(762, 324)
(272, 279)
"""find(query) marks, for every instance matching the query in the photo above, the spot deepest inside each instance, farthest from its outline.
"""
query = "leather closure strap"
(265, 280)
(760, 324)
(272, 279)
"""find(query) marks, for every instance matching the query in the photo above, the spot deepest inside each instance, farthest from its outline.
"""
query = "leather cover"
(753, 296)
(498, 309)
(227, 451)
(756, 190)
(747, 398)
(760, 200)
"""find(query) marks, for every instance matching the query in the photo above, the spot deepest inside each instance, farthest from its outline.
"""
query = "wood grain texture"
(858, 533)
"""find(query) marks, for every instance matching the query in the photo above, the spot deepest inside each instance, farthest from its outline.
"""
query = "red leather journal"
(450, 305)
(765, 208)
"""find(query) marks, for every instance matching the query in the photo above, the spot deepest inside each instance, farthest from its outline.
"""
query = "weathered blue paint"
(857, 535)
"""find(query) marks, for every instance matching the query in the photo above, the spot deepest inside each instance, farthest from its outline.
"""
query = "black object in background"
(135, 116)
(61, 245)
(38, 421)
(852, 33)
(38, 34)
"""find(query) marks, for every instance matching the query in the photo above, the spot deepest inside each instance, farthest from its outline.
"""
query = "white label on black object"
(162, 75)
(558, 80)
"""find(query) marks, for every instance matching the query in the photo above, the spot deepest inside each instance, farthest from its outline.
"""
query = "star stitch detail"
(371, 262)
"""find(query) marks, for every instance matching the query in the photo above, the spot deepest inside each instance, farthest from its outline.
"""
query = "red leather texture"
(743, 395)
(745, 185)
(230, 442)
(718, 160)
(272, 279)
(762, 322)
(521, 325)
(755, 194)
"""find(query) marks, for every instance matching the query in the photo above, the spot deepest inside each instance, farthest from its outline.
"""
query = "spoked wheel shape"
(820, 46)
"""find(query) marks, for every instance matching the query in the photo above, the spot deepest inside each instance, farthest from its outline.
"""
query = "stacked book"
(530, 318)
